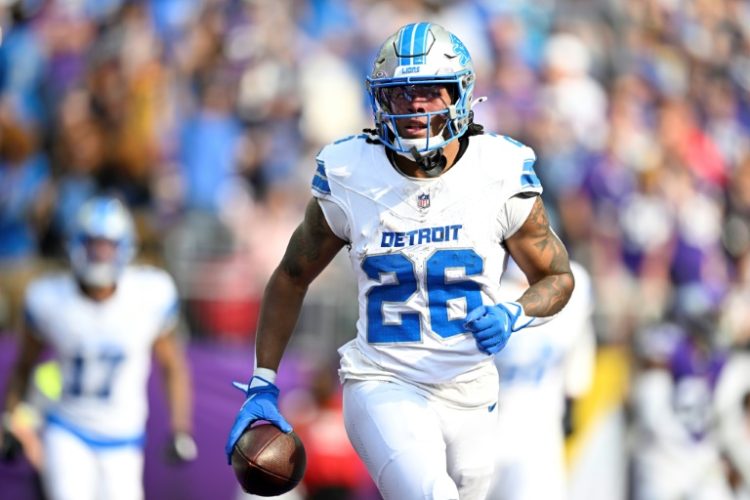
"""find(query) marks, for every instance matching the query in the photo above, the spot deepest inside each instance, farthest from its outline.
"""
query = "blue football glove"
(261, 404)
(492, 326)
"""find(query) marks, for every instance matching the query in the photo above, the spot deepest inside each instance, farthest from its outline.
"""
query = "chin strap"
(433, 164)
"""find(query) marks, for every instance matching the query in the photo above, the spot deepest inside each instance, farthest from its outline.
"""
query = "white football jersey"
(103, 348)
(425, 252)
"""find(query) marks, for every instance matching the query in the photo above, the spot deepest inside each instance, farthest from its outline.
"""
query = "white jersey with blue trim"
(425, 252)
(103, 348)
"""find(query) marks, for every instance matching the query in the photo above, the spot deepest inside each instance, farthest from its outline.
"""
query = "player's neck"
(97, 293)
(412, 169)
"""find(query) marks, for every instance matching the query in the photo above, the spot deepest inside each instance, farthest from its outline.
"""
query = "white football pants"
(415, 448)
(75, 471)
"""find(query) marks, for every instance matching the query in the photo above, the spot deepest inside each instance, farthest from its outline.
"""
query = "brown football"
(268, 462)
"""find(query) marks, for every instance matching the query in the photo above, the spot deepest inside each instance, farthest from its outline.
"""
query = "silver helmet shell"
(104, 218)
(426, 54)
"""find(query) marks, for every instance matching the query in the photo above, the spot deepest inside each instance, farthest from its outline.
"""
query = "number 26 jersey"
(425, 251)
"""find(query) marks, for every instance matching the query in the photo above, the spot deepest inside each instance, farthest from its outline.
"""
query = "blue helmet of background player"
(422, 54)
(102, 241)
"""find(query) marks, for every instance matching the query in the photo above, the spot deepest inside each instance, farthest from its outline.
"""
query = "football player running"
(429, 207)
(102, 322)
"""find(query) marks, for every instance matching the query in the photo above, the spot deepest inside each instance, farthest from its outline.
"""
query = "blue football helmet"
(101, 218)
(422, 54)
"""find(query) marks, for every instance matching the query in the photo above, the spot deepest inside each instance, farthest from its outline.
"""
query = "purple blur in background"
(216, 402)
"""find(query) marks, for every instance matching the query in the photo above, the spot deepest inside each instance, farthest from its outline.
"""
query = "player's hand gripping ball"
(267, 461)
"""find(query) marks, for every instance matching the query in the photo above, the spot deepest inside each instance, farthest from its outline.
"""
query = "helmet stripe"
(420, 36)
(405, 44)
(412, 44)
(99, 218)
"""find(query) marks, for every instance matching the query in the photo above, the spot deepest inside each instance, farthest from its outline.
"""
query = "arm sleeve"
(335, 217)
(514, 213)
(165, 300)
(521, 185)
(519, 173)
(333, 212)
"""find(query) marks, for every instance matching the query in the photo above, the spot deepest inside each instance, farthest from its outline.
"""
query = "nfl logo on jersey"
(423, 201)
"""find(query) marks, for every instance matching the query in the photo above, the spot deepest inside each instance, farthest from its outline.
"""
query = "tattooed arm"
(541, 255)
(311, 248)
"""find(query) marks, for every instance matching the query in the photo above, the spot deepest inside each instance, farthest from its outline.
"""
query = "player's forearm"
(282, 303)
(178, 383)
(18, 383)
(548, 295)
(311, 248)
(17, 386)
(544, 260)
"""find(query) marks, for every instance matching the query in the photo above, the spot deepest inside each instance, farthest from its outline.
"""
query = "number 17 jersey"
(103, 349)
(425, 251)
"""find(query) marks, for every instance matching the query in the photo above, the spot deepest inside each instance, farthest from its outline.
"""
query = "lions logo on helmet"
(422, 54)
(460, 49)
(102, 242)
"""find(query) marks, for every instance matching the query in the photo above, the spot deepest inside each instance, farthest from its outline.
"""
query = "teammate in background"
(429, 207)
(541, 372)
(733, 406)
(102, 322)
(677, 451)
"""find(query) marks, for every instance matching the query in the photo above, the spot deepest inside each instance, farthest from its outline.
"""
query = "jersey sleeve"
(515, 212)
(332, 208)
(320, 186)
(524, 180)
(336, 218)
(510, 163)
(521, 184)
(164, 299)
(171, 305)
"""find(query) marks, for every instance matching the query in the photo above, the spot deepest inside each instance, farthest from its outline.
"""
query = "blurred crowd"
(205, 116)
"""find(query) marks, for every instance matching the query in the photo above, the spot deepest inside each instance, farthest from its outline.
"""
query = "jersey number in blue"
(440, 290)
(102, 366)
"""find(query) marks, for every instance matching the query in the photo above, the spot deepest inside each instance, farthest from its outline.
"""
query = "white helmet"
(422, 54)
(108, 219)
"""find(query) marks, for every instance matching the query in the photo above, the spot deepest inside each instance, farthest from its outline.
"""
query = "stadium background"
(205, 115)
